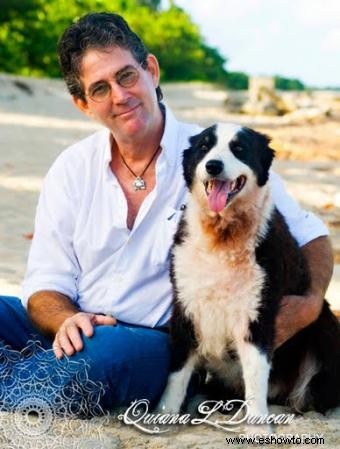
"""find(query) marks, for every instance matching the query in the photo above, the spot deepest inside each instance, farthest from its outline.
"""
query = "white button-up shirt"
(83, 248)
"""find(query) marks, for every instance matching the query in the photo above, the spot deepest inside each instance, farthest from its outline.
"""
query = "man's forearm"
(319, 256)
(49, 309)
(297, 312)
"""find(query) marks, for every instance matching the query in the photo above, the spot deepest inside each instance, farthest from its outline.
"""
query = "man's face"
(128, 111)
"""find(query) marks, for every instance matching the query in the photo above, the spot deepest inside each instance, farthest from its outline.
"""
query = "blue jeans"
(117, 365)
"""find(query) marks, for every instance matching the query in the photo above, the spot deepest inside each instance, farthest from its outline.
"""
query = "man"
(97, 285)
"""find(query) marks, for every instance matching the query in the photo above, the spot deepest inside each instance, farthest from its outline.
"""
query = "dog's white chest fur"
(219, 293)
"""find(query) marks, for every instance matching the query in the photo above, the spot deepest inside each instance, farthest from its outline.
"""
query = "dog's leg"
(175, 391)
(255, 369)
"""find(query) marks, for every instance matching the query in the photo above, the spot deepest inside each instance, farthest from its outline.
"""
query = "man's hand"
(295, 313)
(68, 338)
(56, 316)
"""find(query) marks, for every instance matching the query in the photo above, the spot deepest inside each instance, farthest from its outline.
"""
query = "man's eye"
(100, 89)
(127, 78)
(126, 75)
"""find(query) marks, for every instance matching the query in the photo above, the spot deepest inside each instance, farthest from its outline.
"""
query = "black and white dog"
(233, 259)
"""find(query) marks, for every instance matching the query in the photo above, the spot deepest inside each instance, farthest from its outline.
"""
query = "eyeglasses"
(127, 77)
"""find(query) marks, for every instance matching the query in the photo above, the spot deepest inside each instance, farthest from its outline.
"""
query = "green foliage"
(152, 4)
(288, 84)
(30, 29)
(178, 44)
(237, 80)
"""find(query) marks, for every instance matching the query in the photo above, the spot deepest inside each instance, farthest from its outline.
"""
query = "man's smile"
(127, 112)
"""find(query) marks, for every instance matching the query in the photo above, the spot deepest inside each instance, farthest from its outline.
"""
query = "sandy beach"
(37, 121)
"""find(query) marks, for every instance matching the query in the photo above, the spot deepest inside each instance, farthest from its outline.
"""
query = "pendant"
(139, 184)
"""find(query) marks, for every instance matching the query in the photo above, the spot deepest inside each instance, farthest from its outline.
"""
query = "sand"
(37, 121)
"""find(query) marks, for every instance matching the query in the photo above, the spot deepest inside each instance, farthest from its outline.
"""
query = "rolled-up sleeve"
(52, 263)
(304, 226)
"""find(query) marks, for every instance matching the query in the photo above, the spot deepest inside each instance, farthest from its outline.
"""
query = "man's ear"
(82, 105)
(153, 68)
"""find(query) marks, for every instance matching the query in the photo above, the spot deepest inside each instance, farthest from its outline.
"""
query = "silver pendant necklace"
(139, 183)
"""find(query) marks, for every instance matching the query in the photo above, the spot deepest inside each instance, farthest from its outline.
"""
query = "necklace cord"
(146, 167)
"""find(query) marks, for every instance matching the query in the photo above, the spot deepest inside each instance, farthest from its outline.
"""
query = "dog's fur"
(233, 260)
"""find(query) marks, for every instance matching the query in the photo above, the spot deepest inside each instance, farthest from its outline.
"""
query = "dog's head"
(227, 161)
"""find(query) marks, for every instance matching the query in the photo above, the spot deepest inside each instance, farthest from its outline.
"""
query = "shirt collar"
(168, 141)
(107, 157)
(107, 148)
(170, 136)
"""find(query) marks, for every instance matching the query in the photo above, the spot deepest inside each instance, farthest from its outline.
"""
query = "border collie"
(233, 259)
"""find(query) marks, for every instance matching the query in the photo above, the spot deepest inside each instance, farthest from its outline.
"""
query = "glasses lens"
(127, 77)
(100, 92)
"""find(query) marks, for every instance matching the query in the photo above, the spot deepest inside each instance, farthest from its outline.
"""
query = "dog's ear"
(200, 145)
(205, 139)
(266, 155)
(263, 154)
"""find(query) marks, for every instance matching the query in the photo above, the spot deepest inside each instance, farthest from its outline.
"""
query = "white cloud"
(294, 38)
(331, 42)
(220, 10)
(318, 12)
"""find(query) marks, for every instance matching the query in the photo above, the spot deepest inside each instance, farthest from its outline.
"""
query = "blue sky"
(293, 38)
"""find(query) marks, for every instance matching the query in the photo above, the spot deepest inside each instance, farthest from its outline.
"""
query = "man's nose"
(214, 167)
(119, 94)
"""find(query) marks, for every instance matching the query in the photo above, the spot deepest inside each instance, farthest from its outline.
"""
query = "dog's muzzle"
(221, 191)
(214, 167)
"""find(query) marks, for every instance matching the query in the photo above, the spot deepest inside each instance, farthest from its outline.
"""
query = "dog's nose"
(214, 167)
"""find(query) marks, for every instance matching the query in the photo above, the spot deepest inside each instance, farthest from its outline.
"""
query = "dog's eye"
(204, 147)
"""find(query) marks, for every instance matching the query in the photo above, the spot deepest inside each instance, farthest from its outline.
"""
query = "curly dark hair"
(97, 31)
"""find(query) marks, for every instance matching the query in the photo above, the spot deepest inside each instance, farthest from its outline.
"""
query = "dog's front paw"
(171, 400)
(166, 406)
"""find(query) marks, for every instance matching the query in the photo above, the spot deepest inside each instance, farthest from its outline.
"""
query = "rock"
(307, 115)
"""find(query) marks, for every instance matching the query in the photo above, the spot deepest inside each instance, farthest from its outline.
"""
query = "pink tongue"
(217, 198)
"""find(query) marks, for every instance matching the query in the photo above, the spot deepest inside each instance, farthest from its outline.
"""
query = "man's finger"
(74, 336)
(68, 339)
(65, 343)
(84, 321)
(58, 352)
(107, 320)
